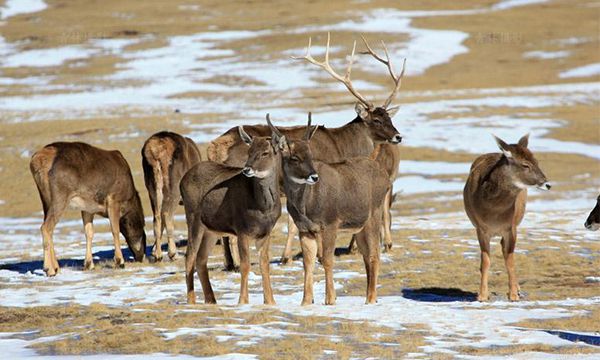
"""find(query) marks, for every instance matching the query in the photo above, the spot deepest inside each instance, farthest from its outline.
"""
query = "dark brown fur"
(593, 220)
(94, 181)
(166, 157)
(225, 200)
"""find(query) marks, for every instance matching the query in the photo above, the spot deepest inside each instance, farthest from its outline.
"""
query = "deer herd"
(331, 179)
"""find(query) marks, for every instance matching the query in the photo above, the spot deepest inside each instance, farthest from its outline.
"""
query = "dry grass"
(587, 322)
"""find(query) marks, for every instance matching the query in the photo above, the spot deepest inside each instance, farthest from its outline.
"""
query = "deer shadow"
(437, 294)
(24, 267)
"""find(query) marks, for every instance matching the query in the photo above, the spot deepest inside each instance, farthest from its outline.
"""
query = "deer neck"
(358, 141)
(297, 197)
(266, 190)
(498, 186)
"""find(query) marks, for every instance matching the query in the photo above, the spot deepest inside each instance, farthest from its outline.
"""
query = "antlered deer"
(94, 181)
(495, 196)
(344, 195)
(593, 220)
(225, 200)
(372, 126)
(166, 157)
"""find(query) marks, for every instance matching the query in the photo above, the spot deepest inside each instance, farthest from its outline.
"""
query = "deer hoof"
(88, 265)
(483, 298)
(285, 260)
(191, 298)
(387, 248)
(173, 256)
(513, 296)
(50, 272)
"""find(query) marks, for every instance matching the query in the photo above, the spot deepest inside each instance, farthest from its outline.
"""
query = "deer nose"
(313, 178)
(544, 186)
(248, 171)
(397, 139)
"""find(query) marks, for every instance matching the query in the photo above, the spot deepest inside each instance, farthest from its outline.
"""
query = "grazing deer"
(372, 126)
(593, 220)
(344, 195)
(224, 200)
(94, 181)
(495, 196)
(166, 157)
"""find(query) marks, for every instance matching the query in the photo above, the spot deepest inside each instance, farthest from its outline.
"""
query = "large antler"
(273, 128)
(325, 66)
(388, 63)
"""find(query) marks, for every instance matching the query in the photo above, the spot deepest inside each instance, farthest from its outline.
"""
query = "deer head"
(296, 155)
(131, 225)
(377, 118)
(593, 220)
(523, 167)
(262, 154)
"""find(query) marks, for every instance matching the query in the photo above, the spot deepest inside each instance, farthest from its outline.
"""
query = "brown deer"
(495, 196)
(224, 200)
(94, 181)
(372, 126)
(593, 221)
(166, 157)
(344, 195)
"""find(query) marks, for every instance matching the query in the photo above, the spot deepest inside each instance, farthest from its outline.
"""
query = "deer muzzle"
(312, 179)
(544, 186)
(397, 139)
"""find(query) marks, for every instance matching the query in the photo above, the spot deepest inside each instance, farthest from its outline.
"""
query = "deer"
(95, 182)
(243, 202)
(593, 221)
(495, 196)
(371, 126)
(166, 157)
(345, 195)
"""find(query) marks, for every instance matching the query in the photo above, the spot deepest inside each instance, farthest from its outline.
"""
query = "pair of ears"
(506, 149)
(279, 142)
(363, 112)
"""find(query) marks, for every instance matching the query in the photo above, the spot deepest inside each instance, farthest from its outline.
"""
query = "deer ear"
(247, 139)
(524, 141)
(393, 111)
(503, 147)
(283, 145)
(362, 111)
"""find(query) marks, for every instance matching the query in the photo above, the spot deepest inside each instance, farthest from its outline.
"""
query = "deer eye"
(294, 159)
(377, 121)
(266, 153)
(526, 166)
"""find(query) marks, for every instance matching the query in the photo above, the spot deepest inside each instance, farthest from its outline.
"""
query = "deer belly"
(81, 204)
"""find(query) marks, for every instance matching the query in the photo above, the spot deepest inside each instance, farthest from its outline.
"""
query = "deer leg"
(231, 253)
(484, 245)
(509, 240)
(327, 239)
(114, 216)
(287, 251)
(352, 247)
(309, 254)
(265, 271)
(170, 225)
(88, 228)
(244, 249)
(206, 243)
(195, 236)
(51, 217)
(368, 245)
(387, 222)
(158, 231)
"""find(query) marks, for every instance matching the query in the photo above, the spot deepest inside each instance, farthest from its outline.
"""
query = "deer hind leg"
(509, 240)
(195, 236)
(244, 249)
(292, 231)
(327, 239)
(114, 216)
(484, 245)
(51, 217)
(170, 226)
(309, 255)
(265, 271)
(387, 222)
(231, 254)
(352, 247)
(88, 227)
(207, 243)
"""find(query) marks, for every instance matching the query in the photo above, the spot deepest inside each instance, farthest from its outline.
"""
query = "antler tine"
(327, 67)
(308, 130)
(398, 82)
(273, 128)
(388, 63)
